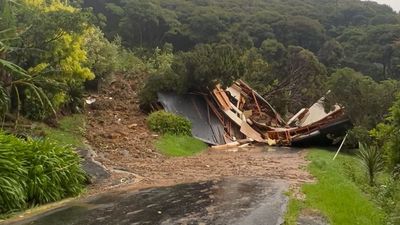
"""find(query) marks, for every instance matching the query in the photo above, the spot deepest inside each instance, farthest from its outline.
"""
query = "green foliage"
(168, 123)
(366, 101)
(36, 172)
(208, 65)
(176, 146)
(387, 134)
(301, 31)
(335, 195)
(259, 73)
(358, 134)
(360, 35)
(331, 54)
(161, 60)
(50, 53)
(129, 63)
(54, 172)
(102, 55)
(150, 23)
(388, 196)
(371, 160)
(273, 51)
(197, 70)
(159, 82)
(293, 210)
(300, 80)
(13, 175)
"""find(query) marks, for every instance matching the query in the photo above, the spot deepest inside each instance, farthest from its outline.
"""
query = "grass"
(70, 131)
(177, 146)
(335, 195)
(293, 210)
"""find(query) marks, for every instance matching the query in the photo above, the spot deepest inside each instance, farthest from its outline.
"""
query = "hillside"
(343, 33)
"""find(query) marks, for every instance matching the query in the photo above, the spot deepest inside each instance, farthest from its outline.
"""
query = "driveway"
(232, 200)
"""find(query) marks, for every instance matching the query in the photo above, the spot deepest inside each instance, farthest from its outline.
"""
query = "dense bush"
(387, 134)
(168, 123)
(200, 69)
(36, 172)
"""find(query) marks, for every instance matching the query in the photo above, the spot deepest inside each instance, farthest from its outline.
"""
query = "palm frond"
(13, 68)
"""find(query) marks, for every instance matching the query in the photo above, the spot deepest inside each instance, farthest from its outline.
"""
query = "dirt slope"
(118, 134)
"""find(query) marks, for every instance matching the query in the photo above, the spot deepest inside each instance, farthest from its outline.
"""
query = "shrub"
(36, 172)
(388, 197)
(168, 123)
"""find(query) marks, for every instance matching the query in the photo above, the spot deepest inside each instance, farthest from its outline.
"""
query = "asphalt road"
(233, 201)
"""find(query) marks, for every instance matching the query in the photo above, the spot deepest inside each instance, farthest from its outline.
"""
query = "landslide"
(117, 132)
(116, 127)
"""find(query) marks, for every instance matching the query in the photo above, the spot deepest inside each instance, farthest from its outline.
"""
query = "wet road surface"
(236, 201)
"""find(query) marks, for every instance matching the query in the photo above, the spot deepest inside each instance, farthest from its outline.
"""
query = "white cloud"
(395, 4)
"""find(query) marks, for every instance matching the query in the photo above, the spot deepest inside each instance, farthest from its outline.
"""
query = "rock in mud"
(96, 171)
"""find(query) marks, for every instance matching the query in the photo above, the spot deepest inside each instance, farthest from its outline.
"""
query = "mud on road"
(118, 134)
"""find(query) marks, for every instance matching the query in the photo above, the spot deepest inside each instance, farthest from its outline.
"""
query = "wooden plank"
(255, 100)
(222, 98)
(247, 130)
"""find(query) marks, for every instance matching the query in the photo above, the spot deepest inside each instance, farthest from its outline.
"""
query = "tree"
(331, 54)
(258, 74)
(101, 54)
(273, 51)
(301, 31)
(51, 57)
(366, 102)
(198, 70)
(146, 24)
(303, 80)
(208, 65)
(387, 134)
(13, 78)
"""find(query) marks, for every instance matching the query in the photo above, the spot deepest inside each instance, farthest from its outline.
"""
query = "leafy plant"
(12, 174)
(168, 123)
(54, 172)
(36, 171)
(388, 197)
(372, 161)
(14, 79)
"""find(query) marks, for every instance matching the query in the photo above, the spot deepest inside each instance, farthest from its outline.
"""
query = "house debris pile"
(238, 115)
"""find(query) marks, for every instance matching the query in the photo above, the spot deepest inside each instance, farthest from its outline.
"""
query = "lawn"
(176, 146)
(71, 131)
(334, 194)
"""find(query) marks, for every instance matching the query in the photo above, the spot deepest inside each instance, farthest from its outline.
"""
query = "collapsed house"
(238, 112)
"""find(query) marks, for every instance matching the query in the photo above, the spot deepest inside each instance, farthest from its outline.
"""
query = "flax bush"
(12, 174)
(35, 172)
